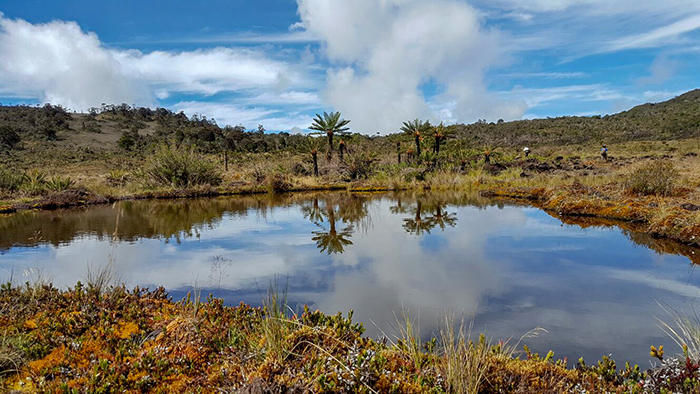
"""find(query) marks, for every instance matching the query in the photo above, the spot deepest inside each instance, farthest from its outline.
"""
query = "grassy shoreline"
(674, 216)
(102, 338)
(670, 218)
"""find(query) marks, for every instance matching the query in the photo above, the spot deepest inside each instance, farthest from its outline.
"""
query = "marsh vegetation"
(98, 335)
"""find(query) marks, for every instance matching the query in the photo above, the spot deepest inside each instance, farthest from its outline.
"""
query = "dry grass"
(684, 330)
(11, 357)
(275, 324)
(653, 178)
(408, 339)
(465, 361)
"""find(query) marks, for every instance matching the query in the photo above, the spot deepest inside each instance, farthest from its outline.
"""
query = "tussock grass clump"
(10, 181)
(117, 177)
(278, 183)
(655, 178)
(684, 330)
(59, 183)
(100, 279)
(11, 357)
(180, 167)
(274, 325)
(465, 362)
(33, 183)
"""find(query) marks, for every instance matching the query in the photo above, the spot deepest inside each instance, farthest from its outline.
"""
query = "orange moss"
(30, 324)
(89, 350)
(52, 360)
(125, 330)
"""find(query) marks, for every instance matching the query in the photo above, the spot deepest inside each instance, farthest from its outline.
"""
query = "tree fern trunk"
(329, 155)
(418, 146)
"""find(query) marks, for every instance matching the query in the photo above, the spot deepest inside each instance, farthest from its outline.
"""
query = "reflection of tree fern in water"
(179, 219)
(442, 219)
(417, 225)
(355, 210)
(350, 209)
(332, 241)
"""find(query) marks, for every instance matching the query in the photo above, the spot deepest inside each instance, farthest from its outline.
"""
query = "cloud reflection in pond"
(509, 267)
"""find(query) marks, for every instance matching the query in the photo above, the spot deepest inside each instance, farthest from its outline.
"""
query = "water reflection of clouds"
(450, 275)
(517, 268)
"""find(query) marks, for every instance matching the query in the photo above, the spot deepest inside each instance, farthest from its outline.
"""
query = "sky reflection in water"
(510, 268)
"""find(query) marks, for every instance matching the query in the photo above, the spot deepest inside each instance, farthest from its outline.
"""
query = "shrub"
(34, 183)
(10, 181)
(278, 183)
(180, 167)
(128, 140)
(655, 178)
(360, 166)
(8, 138)
(59, 183)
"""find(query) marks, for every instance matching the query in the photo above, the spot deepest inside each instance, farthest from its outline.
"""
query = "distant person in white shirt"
(526, 150)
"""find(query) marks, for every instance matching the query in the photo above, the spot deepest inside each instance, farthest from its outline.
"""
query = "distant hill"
(51, 128)
(124, 127)
(677, 118)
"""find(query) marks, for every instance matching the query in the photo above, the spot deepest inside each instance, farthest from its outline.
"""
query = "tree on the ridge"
(331, 124)
(415, 128)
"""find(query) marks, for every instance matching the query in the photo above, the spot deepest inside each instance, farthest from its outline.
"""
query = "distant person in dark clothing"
(604, 152)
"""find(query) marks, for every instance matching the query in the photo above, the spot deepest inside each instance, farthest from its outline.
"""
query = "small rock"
(690, 207)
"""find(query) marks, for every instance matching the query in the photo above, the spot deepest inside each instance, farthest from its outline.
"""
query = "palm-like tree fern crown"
(330, 123)
(415, 127)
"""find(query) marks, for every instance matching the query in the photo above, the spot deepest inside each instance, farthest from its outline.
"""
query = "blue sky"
(277, 62)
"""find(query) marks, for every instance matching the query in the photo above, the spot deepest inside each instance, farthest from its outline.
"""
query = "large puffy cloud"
(385, 53)
(209, 71)
(58, 62)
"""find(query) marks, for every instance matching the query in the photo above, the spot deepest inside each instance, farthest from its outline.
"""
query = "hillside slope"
(678, 118)
(27, 132)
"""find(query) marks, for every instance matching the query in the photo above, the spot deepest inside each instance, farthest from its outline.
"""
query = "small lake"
(592, 285)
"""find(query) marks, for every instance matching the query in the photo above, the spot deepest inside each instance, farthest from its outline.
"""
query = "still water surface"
(510, 268)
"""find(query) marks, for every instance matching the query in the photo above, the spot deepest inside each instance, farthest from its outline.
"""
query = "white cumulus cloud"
(58, 62)
(385, 52)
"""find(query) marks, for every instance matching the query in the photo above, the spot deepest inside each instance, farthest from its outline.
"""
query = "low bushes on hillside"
(9, 138)
(180, 167)
(655, 178)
